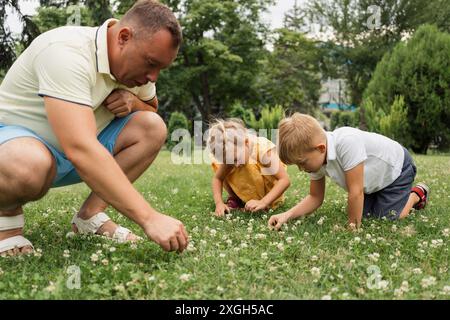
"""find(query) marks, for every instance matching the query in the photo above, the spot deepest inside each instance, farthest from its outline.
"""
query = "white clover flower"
(70, 234)
(213, 232)
(314, 258)
(446, 232)
(66, 253)
(175, 191)
(289, 239)
(222, 255)
(191, 247)
(326, 297)
(264, 255)
(315, 272)
(428, 282)
(112, 249)
(220, 289)
(357, 239)
(280, 246)
(231, 264)
(394, 228)
(105, 262)
(94, 257)
(446, 290)
(306, 234)
(151, 278)
(383, 284)
(259, 236)
(321, 220)
(37, 252)
(203, 242)
(394, 266)
(374, 256)
(185, 277)
(417, 271)
(244, 245)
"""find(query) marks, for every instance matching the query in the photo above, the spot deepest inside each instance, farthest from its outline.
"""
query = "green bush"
(269, 119)
(393, 125)
(419, 71)
(177, 120)
(344, 119)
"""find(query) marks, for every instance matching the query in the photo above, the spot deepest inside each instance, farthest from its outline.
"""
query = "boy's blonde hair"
(298, 134)
(223, 134)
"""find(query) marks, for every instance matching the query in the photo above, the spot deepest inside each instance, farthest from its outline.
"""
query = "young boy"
(376, 171)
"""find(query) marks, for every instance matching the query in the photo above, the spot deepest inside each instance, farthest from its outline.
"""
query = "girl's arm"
(275, 165)
(217, 187)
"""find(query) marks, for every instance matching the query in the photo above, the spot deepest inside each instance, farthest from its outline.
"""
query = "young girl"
(247, 167)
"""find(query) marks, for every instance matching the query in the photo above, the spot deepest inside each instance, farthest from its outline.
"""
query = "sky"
(275, 15)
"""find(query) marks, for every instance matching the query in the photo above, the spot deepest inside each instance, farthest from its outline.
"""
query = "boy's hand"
(277, 220)
(255, 205)
(221, 208)
(120, 102)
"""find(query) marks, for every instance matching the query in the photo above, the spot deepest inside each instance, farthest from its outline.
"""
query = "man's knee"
(153, 127)
(29, 169)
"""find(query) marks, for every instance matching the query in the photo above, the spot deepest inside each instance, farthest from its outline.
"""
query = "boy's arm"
(309, 204)
(354, 179)
(277, 169)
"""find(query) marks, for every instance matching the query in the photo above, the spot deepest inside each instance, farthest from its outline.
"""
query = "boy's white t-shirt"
(347, 147)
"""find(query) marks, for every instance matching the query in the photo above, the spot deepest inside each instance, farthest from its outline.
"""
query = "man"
(78, 105)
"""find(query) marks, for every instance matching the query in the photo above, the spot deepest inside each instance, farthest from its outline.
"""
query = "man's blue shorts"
(65, 171)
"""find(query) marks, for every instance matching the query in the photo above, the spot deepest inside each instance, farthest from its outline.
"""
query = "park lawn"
(237, 256)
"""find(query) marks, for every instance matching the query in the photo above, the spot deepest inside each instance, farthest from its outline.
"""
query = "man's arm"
(122, 102)
(354, 179)
(74, 126)
(308, 205)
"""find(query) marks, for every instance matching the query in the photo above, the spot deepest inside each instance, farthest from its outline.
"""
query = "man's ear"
(322, 147)
(125, 35)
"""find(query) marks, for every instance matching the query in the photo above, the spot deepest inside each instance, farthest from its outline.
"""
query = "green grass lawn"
(238, 256)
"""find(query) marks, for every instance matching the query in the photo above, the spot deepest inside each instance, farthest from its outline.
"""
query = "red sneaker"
(234, 203)
(423, 191)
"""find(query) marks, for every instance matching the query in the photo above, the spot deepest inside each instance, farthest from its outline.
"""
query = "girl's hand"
(277, 220)
(255, 205)
(221, 208)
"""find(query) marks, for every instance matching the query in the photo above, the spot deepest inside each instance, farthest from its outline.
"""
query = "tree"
(362, 31)
(219, 60)
(419, 71)
(7, 43)
(291, 72)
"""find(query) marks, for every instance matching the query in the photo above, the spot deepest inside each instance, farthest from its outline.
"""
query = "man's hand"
(255, 205)
(168, 232)
(120, 102)
(277, 220)
(221, 208)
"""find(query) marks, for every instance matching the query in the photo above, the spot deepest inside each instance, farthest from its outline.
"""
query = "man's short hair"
(298, 134)
(150, 16)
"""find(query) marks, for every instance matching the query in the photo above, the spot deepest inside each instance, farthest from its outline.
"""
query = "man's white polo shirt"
(347, 147)
(68, 63)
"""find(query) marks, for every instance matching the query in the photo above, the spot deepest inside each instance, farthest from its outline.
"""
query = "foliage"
(419, 71)
(177, 121)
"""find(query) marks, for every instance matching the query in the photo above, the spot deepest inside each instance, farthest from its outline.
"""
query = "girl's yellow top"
(249, 181)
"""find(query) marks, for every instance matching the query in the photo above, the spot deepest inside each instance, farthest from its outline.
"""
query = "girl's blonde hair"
(225, 134)
(298, 134)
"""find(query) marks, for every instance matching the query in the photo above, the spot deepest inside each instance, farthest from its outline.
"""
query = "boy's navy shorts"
(390, 201)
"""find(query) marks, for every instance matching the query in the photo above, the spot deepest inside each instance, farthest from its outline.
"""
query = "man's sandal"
(91, 226)
(19, 242)
(423, 192)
